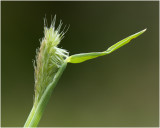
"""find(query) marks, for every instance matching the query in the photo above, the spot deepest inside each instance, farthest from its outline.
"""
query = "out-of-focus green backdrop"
(120, 89)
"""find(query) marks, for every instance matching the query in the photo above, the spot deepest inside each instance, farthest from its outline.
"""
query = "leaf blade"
(78, 58)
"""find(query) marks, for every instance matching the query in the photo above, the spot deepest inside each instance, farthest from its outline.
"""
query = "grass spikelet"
(49, 58)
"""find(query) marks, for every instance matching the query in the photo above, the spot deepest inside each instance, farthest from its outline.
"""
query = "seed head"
(49, 58)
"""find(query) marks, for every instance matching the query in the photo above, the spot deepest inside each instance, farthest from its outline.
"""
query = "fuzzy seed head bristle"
(49, 58)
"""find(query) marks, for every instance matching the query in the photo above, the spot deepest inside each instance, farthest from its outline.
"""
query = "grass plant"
(50, 63)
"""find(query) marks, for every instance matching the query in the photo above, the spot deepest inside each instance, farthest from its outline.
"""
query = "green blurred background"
(120, 89)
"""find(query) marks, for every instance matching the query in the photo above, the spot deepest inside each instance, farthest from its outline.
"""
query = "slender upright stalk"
(36, 112)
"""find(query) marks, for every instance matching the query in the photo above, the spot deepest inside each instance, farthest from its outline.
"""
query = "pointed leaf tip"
(123, 42)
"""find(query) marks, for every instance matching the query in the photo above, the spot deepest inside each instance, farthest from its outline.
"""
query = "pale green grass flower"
(49, 59)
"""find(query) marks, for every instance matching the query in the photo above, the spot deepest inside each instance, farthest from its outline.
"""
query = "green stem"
(37, 111)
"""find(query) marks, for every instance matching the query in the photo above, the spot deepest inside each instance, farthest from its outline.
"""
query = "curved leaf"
(78, 58)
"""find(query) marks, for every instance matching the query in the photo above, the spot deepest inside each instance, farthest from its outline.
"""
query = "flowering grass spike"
(49, 59)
